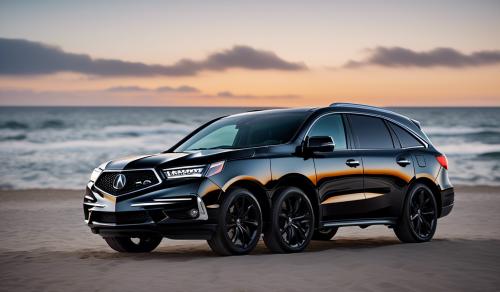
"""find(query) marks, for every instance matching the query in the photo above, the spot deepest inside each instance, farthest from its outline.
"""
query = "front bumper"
(184, 211)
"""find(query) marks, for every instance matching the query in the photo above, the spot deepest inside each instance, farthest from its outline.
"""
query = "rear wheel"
(239, 225)
(419, 219)
(292, 222)
(325, 233)
(144, 243)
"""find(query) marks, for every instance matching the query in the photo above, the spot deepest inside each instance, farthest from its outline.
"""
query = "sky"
(250, 53)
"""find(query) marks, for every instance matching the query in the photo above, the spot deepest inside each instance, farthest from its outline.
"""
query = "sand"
(45, 246)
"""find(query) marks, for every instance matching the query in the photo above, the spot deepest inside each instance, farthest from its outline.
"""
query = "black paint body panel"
(375, 189)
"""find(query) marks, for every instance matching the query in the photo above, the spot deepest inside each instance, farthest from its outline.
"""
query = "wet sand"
(45, 246)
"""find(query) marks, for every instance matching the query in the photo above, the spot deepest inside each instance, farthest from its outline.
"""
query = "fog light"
(193, 213)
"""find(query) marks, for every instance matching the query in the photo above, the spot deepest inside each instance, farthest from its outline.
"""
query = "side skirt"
(359, 222)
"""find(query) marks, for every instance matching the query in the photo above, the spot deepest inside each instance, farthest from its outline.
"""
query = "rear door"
(388, 168)
(339, 173)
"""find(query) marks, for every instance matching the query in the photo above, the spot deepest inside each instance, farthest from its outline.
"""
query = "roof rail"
(354, 105)
(362, 106)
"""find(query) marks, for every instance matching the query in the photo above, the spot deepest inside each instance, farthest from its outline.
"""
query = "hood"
(165, 160)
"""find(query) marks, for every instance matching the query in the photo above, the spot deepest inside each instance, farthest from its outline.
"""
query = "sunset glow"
(235, 54)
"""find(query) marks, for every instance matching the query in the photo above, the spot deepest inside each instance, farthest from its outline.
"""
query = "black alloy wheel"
(419, 220)
(240, 224)
(292, 223)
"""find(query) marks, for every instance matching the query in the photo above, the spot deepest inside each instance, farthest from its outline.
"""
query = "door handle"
(403, 162)
(352, 163)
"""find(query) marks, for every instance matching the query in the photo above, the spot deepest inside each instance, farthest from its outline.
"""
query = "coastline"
(45, 245)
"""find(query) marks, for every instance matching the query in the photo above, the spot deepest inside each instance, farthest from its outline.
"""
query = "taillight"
(442, 160)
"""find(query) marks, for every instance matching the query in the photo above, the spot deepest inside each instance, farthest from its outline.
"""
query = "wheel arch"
(258, 190)
(434, 188)
(306, 185)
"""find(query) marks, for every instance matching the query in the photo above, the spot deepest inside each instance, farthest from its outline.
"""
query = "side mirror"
(319, 144)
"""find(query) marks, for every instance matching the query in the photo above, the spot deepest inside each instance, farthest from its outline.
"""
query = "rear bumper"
(447, 201)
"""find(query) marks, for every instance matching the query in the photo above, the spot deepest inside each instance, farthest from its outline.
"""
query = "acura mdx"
(293, 175)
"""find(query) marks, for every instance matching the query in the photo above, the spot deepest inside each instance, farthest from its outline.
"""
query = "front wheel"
(239, 224)
(292, 222)
(419, 219)
(145, 243)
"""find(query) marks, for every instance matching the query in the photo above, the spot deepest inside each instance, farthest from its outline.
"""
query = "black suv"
(291, 174)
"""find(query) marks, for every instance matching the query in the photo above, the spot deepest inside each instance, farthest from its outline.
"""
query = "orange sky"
(303, 46)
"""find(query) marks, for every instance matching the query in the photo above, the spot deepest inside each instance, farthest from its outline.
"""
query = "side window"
(333, 126)
(371, 132)
(406, 139)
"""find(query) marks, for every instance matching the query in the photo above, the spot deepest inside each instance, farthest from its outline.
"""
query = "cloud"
(23, 57)
(438, 57)
(122, 95)
(229, 94)
(133, 88)
(183, 89)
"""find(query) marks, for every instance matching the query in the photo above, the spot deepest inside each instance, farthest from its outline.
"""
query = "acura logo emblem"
(119, 182)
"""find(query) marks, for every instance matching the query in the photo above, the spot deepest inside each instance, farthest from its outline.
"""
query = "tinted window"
(330, 125)
(371, 132)
(406, 139)
(246, 130)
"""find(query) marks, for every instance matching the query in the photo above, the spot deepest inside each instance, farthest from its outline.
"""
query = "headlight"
(194, 171)
(97, 171)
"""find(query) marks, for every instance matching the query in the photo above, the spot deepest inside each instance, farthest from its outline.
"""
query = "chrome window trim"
(125, 170)
(426, 145)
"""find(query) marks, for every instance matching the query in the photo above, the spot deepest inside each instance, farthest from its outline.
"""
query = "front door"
(339, 173)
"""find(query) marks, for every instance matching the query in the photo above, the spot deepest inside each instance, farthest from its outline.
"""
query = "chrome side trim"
(89, 197)
(360, 222)
(125, 170)
(151, 204)
(94, 204)
(114, 224)
(203, 214)
(173, 199)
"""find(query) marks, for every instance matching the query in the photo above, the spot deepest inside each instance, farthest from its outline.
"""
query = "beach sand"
(45, 246)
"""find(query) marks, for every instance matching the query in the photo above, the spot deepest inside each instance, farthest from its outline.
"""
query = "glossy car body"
(350, 185)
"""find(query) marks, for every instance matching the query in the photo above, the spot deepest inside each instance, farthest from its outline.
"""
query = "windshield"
(249, 130)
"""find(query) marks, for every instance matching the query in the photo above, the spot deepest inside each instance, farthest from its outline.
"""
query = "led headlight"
(97, 171)
(194, 171)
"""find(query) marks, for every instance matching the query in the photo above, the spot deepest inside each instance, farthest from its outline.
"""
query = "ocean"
(57, 147)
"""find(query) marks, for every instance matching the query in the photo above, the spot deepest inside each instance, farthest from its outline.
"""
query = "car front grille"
(135, 180)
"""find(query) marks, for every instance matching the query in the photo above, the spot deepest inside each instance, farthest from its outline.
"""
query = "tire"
(239, 224)
(419, 219)
(325, 233)
(292, 222)
(126, 244)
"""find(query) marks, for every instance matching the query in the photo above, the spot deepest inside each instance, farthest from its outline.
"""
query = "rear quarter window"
(405, 138)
